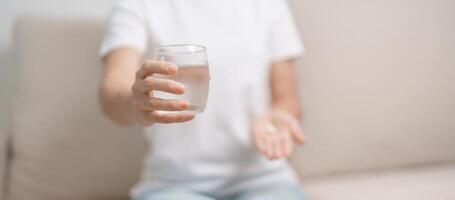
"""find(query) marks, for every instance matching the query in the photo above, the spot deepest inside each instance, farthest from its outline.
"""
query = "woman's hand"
(146, 108)
(275, 132)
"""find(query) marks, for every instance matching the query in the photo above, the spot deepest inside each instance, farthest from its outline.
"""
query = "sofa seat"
(417, 183)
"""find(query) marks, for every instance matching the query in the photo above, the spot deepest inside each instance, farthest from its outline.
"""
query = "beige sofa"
(58, 146)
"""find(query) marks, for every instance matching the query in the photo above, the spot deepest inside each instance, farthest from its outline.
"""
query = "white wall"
(10, 9)
(75, 8)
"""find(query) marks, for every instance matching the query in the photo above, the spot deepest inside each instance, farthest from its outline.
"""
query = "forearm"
(115, 88)
(116, 101)
(284, 88)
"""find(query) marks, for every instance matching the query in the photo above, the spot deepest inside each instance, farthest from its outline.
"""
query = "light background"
(382, 66)
(10, 9)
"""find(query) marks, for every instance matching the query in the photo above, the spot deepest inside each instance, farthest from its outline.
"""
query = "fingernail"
(172, 68)
(183, 104)
(180, 87)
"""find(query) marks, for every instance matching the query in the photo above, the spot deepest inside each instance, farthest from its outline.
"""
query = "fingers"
(152, 83)
(261, 145)
(287, 144)
(147, 111)
(270, 148)
(292, 123)
(163, 104)
(167, 118)
(296, 132)
(260, 139)
(147, 118)
(151, 67)
(277, 148)
(281, 145)
(274, 147)
(143, 118)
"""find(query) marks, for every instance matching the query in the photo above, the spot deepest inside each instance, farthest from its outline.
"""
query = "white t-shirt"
(213, 153)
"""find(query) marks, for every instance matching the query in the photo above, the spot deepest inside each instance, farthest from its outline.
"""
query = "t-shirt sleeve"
(283, 37)
(126, 27)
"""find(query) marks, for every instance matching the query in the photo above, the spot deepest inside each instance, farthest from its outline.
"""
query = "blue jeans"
(269, 193)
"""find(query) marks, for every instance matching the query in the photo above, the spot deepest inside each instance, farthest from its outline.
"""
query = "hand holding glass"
(193, 73)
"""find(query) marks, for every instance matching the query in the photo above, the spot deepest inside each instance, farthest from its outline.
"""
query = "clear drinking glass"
(193, 72)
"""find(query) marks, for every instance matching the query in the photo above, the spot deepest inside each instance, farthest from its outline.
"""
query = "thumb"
(293, 124)
(296, 131)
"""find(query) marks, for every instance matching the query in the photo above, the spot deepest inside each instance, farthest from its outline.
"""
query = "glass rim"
(200, 49)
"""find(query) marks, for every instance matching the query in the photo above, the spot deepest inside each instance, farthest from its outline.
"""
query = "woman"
(237, 148)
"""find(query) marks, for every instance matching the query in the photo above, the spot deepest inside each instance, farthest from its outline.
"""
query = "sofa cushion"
(378, 89)
(3, 156)
(420, 183)
(63, 148)
(6, 76)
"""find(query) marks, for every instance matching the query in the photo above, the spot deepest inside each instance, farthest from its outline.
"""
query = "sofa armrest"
(6, 76)
(3, 150)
